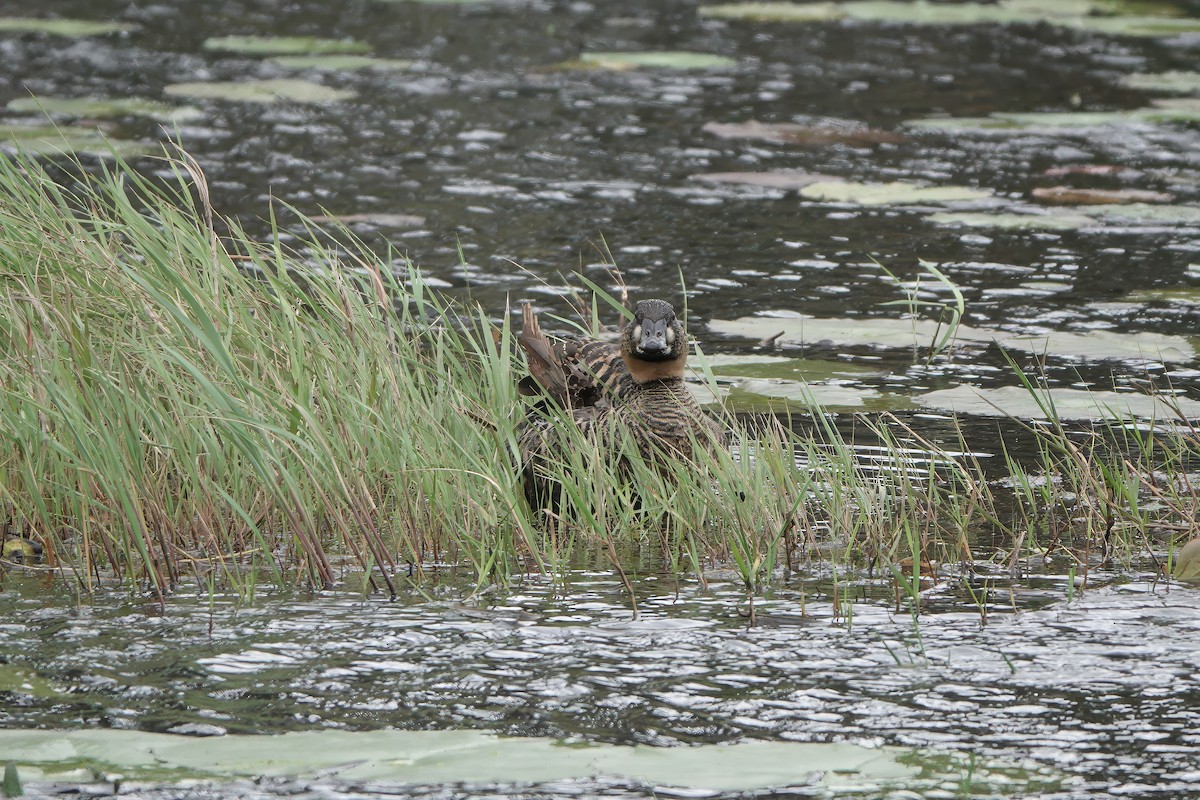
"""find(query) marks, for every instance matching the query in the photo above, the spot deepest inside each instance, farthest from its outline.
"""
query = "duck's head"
(653, 343)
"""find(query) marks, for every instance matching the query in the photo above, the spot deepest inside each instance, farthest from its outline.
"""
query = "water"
(512, 161)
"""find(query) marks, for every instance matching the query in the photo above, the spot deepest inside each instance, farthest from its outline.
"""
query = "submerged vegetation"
(181, 402)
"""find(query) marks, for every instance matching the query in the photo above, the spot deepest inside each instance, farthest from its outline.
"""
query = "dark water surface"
(509, 160)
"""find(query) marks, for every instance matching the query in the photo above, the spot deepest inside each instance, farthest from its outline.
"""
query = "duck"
(633, 386)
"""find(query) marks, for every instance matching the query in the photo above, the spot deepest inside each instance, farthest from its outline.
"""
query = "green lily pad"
(1095, 15)
(664, 59)
(1179, 109)
(285, 45)
(1187, 561)
(783, 367)
(1051, 220)
(106, 107)
(864, 332)
(434, 757)
(776, 12)
(1068, 404)
(758, 394)
(1103, 345)
(896, 193)
(72, 28)
(441, 2)
(340, 62)
(1174, 82)
(260, 91)
(919, 333)
(48, 140)
(1146, 214)
(1190, 296)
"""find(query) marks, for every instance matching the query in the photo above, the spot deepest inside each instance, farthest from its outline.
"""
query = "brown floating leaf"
(775, 179)
(826, 131)
(1070, 195)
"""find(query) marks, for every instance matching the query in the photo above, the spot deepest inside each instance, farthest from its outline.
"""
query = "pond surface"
(1039, 164)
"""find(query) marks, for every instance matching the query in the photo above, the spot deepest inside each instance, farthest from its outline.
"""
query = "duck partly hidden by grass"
(182, 405)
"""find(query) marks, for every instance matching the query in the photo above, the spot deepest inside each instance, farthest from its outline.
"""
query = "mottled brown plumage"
(609, 390)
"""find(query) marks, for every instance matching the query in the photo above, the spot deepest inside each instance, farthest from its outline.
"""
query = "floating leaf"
(106, 107)
(338, 62)
(877, 332)
(748, 395)
(1070, 195)
(776, 12)
(1101, 345)
(1057, 221)
(1068, 404)
(1093, 15)
(1174, 82)
(1190, 296)
(1106, 170)
(285, 45)
(72, 28)
(819, 132)
(783, 367)
(48, 140)
(437, 757)
(381, 220)
(1187, 561)
(261, 91)
(920, 333)
(775, 179)
(1147, 214)
(664, 59)
(897, 193)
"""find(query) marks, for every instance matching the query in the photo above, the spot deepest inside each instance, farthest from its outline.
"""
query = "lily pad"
(661, 59)
(434, 757)
(1103, 345)
(49, 140)
(776, 12)
(800, 331)
(1173, 82)
(1094, 15)
(919, 333)
(745, 366)
(1147, 214)
(285, 45)
(1056, 221)
(895, 193)
(72, 28)
(380, 220)
(1189, 296)
(260, 91)
(1070, 195)
(1187, 561)
(1068, 404)
(106, 107)
(763, 394)
(787, 180)
(342, 62)
(818, 132)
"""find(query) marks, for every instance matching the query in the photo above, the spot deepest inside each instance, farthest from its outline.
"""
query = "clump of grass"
(181, 406)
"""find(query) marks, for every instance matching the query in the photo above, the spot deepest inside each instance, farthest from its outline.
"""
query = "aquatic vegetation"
(66, 140)
(274, 90)
(285, 45)
(62, 26)
(183, 403)
(656, 59)
(105, 107)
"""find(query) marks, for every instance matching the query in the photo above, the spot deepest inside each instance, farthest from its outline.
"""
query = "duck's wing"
(574, 372)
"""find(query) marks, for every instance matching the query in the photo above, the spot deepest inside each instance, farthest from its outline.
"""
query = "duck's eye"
(670, 336)
(637, 332)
